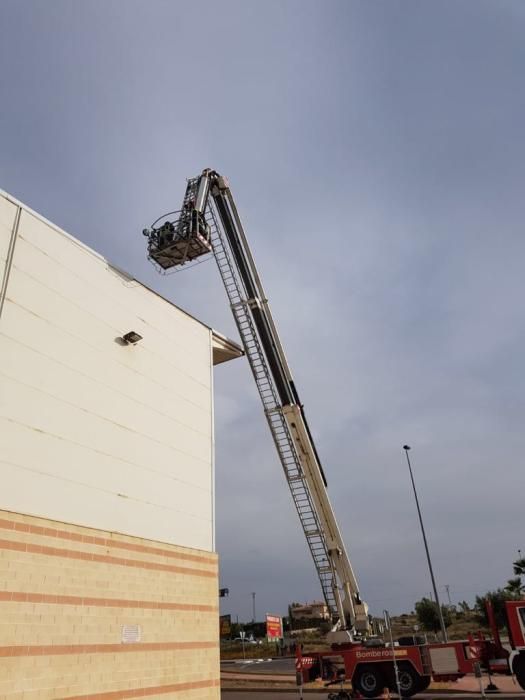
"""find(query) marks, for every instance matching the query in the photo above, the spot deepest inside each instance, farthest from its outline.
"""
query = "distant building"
(107, 554)
(316, 610)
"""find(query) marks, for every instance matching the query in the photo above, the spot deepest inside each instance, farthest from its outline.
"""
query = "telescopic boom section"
(209, 222)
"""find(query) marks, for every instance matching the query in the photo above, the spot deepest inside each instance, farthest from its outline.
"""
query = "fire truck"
(208, 224)
(409, 666)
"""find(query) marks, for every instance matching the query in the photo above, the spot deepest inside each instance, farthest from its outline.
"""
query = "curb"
(228, 662)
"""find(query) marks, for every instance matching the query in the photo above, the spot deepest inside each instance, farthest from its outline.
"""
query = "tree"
(497, 598)
(519, 567)
(514, 590)
(514, 587)
(428, 615)
(464, 606)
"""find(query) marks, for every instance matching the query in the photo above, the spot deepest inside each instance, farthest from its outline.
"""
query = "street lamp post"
(447, 588)
(440, 612)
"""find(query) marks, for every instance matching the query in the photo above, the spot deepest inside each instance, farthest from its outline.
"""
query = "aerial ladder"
(209, 223)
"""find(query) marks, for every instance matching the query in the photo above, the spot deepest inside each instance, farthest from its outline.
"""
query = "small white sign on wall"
(131, 634)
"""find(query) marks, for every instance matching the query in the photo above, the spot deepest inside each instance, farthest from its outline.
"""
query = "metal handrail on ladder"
(290, 461)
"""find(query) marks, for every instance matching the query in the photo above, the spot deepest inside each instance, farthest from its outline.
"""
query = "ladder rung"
(269, 397)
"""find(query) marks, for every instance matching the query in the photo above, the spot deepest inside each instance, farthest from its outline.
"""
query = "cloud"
(375, 152)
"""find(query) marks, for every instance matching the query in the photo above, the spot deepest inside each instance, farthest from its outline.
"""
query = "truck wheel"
(410, 682)
(424, 682)
(369, 681)
(519, 669)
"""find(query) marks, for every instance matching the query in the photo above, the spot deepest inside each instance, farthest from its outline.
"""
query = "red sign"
(274, 627)
(225, 625)
(304, 662)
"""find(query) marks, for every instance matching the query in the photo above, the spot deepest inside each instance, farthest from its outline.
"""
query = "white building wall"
(93, 432)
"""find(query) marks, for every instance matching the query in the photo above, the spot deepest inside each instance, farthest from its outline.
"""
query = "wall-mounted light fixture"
(131, 338)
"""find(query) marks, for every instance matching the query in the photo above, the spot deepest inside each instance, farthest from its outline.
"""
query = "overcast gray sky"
(376, 153)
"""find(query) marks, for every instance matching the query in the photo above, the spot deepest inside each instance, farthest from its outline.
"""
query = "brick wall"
(68, 593)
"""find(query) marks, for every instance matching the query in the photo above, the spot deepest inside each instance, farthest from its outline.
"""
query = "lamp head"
(131, 338)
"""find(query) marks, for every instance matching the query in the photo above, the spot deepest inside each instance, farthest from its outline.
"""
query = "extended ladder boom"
(209, 222)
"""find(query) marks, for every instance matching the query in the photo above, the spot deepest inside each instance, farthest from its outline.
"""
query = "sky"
(376, 155)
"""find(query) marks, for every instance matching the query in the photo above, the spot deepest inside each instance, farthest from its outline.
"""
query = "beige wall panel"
(7, 220)
(113, 439)
(75, 461)
(7, 213)
(43, 449)
(100, 434)
(53, 415)
(25, 405)
(152, 386)
(77, 390)
(38, 493)
(85, 312)
(95, 271)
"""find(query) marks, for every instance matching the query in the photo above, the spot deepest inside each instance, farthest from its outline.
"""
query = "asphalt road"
(286, 667)
(286, 695)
